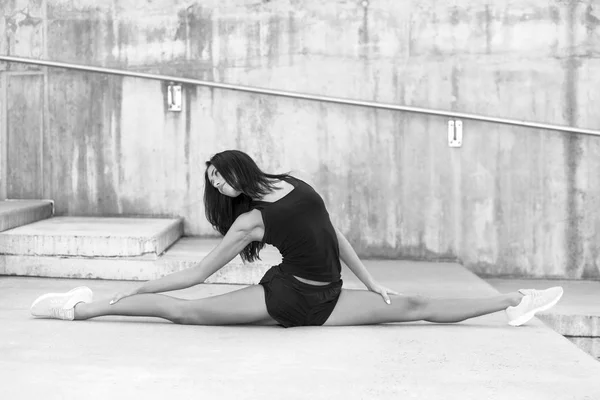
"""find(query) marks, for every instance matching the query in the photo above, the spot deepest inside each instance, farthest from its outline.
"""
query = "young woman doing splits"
(251, 208)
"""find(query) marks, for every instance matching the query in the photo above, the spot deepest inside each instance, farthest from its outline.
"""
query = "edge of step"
(24, 212)
(183, 254)
(35, 240)
(573, 324)
(128, 269)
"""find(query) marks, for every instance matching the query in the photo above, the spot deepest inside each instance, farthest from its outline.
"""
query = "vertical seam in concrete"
(4, 135)
(189, 11)
(45, 98)
(488, 29)
(455, 87)
(410, 37)
(45, 29)
(47, 185)
(364, 36)
(572, 153)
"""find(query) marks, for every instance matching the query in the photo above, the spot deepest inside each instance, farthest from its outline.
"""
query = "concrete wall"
(510, 201)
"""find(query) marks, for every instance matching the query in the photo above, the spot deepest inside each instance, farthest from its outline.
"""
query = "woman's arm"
(350, 258)
(246, 229)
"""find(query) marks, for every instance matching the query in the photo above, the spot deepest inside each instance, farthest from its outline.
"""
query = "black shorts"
(294, 303)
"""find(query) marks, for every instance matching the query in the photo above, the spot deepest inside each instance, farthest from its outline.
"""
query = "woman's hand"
(382, 290)
(122, 295)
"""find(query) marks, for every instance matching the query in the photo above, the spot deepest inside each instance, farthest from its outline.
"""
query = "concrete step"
(590, 345)
(578, 312)
(92, 237)
(14, 213)
(185, 253)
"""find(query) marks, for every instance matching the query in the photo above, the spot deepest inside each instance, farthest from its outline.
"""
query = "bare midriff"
(316, 283)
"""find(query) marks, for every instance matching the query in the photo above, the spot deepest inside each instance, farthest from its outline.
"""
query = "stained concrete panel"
(91, 165)
(92, 237)
(25, 124)
(511, 201)
(23, 25)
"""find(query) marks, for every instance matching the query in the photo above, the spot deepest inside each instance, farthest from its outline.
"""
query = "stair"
(117, 249)
(92, 237)
(14, 213)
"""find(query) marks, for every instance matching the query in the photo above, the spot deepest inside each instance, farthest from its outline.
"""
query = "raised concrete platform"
(125, 357)
(185, 253)
(92, 237)
(14, 213)
(577, 314)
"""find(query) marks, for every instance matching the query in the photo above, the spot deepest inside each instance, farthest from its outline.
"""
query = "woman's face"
(220, 184)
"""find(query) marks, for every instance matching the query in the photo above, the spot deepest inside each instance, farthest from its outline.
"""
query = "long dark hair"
(241, 172)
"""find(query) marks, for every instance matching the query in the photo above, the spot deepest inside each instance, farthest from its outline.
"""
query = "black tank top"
(298, 225)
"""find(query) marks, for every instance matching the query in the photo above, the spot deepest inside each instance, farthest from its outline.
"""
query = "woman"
(251, 208)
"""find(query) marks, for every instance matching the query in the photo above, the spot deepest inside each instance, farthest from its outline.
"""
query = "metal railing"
(303, 96)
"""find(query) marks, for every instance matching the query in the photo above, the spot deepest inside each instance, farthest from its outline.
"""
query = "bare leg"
(244, 306)
(360, 307)
(143, 305)
(456, 310)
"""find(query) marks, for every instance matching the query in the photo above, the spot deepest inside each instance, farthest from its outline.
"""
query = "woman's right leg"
(361, 307)
(244, 306)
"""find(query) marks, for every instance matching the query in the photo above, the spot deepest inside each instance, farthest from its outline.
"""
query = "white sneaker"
(533, 301)
(61, 305)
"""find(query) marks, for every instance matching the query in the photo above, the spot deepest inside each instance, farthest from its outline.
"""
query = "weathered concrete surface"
(588, 344)
(14, 213)
(185, 253)
(510, 201)
(92, 237)
(117, 357)
(577, 314)
(25, 119)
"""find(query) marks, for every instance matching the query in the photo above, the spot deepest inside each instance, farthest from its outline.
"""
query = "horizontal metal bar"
(303, 96)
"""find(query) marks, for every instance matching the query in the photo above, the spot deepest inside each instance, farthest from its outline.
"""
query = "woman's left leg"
(360, 307)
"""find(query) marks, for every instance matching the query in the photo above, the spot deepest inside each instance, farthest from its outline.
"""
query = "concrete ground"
(129, 358)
